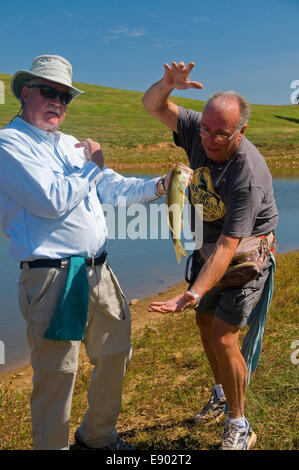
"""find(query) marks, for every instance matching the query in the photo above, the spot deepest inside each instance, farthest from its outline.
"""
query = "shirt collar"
(52, 137)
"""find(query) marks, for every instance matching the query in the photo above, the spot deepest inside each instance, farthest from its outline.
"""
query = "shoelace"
(212, 403)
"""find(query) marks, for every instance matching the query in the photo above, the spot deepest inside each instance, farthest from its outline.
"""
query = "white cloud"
(119, 30)
(108, 38)
(166, 43)
(70, 14)
(125, 31)
(137, 32)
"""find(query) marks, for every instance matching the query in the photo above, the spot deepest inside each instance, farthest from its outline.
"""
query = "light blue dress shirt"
(51, 198)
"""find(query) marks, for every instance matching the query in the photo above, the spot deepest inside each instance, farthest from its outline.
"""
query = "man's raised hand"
(177, 76)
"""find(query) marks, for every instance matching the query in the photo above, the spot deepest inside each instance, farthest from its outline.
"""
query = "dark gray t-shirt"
(237, 196)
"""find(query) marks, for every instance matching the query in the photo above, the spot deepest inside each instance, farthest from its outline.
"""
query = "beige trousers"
(107, 343)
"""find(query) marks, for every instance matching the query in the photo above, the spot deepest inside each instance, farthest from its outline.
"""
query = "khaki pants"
(107, 343)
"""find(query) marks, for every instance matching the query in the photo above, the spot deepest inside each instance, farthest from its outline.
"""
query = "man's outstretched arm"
(212, 271)
(156, 100)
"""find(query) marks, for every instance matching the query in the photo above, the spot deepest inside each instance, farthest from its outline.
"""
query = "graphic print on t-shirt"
(202, 192)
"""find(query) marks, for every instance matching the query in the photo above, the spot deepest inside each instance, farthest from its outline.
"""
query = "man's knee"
(204, 323)
(224, 337)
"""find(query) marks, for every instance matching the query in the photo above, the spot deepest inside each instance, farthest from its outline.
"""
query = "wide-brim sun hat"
(50, 67)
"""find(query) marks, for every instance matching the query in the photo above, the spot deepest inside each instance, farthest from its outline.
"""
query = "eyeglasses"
(51, 93)
(218, 137)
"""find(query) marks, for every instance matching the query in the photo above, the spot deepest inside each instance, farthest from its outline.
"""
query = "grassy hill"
(130, 136)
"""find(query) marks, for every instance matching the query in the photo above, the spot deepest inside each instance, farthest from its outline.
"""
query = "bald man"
(232, 182)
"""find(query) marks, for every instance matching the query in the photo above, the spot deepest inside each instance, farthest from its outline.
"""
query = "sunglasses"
(51, 93)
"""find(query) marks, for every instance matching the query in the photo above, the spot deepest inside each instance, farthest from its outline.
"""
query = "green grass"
(174, 378)
(169, 380)
(129, 135)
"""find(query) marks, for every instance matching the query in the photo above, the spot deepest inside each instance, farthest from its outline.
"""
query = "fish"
(175, 203)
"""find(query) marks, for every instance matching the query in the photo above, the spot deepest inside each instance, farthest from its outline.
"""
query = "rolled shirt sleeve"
(119, 190)
(188, 129)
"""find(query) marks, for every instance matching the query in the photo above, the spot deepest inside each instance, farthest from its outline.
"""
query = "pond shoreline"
(154, 166)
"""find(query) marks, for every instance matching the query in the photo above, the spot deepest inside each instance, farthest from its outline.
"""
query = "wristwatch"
(195, 294)
(161, 186)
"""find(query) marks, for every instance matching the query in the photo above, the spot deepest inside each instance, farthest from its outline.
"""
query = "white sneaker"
(212, 412)
(236, 437)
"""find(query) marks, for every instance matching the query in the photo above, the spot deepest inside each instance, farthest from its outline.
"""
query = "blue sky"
(251, 47)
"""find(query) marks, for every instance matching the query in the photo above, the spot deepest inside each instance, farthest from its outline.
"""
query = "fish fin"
(170, 227)
(184, 195)
(179, 251)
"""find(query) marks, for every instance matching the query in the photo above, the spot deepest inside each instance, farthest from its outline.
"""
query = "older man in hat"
(52, 188)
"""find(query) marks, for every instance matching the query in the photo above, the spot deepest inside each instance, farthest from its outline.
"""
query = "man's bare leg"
(230, 365)
(205, 323)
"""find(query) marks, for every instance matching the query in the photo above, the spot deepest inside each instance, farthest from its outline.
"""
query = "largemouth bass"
(175, 203)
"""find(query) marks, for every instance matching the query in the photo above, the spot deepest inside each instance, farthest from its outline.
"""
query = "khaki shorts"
(234, 304)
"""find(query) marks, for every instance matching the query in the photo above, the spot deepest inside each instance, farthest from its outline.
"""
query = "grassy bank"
(131, 137)
(169, 380)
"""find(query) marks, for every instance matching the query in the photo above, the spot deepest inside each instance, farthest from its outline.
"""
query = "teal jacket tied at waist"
(252, 343)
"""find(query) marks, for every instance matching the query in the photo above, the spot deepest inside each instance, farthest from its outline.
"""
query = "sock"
(239, 421)
(218, 390)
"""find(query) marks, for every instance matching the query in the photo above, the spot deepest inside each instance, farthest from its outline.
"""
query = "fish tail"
(179, 250)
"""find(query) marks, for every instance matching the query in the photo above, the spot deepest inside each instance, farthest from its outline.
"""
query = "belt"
(61, 263)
